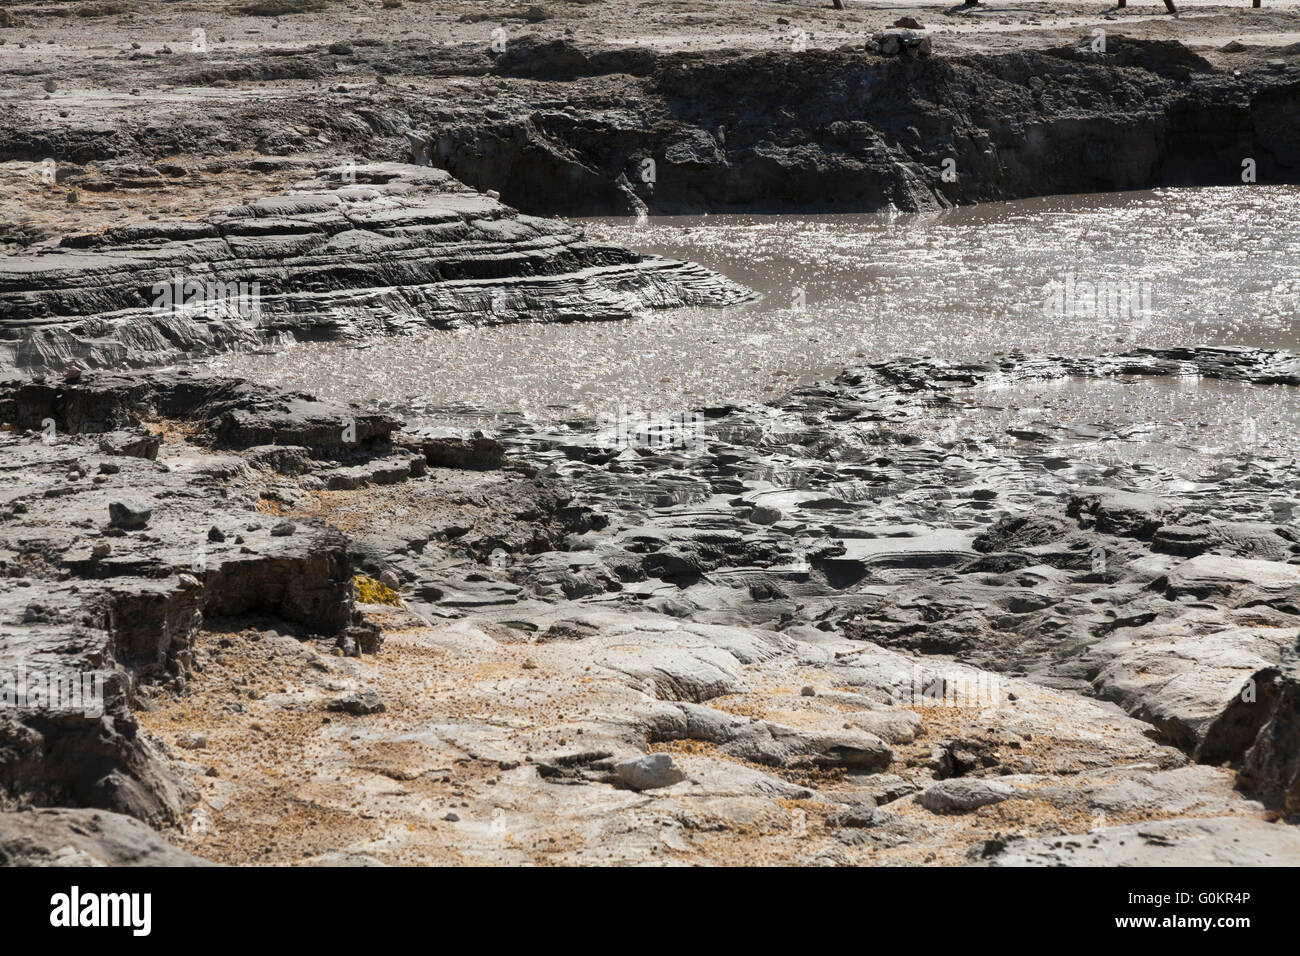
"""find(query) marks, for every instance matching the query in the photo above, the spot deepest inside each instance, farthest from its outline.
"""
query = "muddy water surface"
(1066, 275)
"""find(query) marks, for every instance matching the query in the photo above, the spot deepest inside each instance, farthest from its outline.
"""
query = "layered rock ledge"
(357, 251)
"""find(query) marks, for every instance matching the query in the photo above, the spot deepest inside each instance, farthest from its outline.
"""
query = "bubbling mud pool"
(1074, 275)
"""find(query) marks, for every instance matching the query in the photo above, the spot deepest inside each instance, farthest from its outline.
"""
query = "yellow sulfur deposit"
(370, 591)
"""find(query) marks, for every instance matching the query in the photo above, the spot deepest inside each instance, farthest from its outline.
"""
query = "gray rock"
(392, 241)
(1214, 841)
(896, 40)
(129, 514)
(84, 838)
(1232, 579)
(963, 794)
(860, 817)
(1123, 513)
(648, 773)
(1271, 765)
(365, 702)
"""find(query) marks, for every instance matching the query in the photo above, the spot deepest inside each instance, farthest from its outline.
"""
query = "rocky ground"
(869, 622)
(796, 633)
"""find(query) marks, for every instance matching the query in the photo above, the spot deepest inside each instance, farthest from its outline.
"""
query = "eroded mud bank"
(575, 129)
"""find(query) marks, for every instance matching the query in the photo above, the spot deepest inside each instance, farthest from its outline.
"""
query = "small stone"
(389, 580)
(189, 581)
(366, 702)
(765, 514)
(101, 550)
(367, 637)
(192, 741)
(807, 691)
(861, 816)
(963, 794)
(451, 818)
(283, 529)
(216, 534)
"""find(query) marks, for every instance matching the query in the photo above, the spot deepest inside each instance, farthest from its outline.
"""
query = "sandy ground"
(56, 208)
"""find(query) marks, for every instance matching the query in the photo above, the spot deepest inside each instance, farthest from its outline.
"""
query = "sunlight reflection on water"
(1217, 266)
